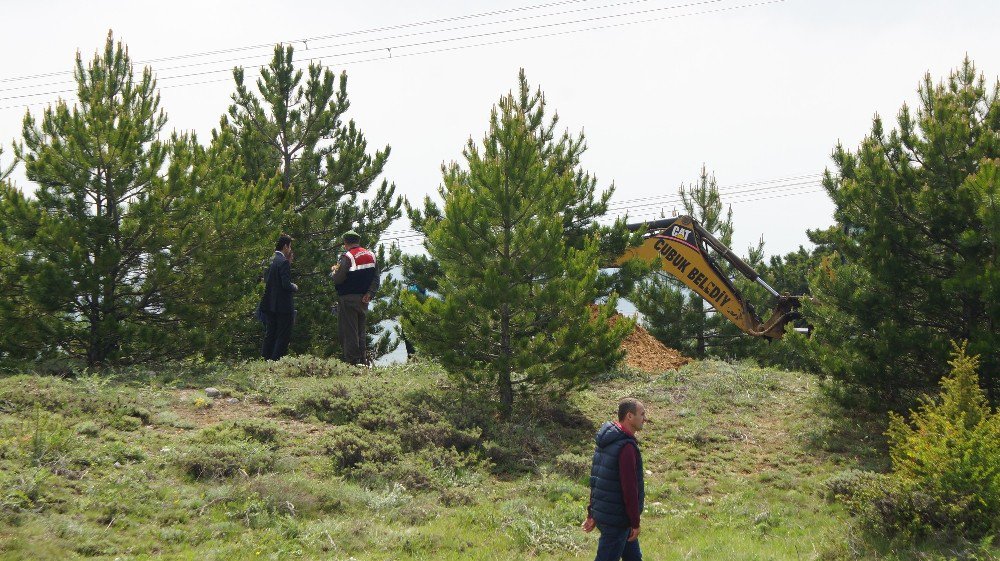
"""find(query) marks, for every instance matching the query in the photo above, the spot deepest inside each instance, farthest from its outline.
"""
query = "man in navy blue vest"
(277, 304)
(617, 491)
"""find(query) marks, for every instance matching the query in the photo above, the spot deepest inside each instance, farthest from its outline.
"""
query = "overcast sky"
(755, 90)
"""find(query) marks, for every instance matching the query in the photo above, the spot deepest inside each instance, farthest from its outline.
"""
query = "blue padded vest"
(607, 506)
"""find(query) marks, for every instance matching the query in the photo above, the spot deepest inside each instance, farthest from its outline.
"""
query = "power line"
(321, 37)
(734, 190)
(476, 36)
(417, 238)
(306, 41)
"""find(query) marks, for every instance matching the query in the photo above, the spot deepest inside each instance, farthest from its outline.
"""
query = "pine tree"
(292, 130)
(948, 456)
(562, 153)
(682, 319)
(221, 222)
(515, 292)
(22, 334)
(916, 261)
(97, 259)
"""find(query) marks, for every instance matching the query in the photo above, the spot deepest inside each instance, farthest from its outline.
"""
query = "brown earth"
(645, 352)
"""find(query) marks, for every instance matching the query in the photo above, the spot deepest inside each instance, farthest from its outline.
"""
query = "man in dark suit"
(277, 304)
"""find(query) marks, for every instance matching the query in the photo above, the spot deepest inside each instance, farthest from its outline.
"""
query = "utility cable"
(473, 36)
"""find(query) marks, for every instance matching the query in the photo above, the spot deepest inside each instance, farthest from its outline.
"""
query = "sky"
(757, 91)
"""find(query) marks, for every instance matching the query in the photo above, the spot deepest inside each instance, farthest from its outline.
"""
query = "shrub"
(440, 434)
(313, 367)
(349, 445)
(249, 430)
(296, 495)
(327, 401)
(215, 460)
(850, 484)
(945, 478)
(574, 466)
(171, 419)
(21, 492)
(125, 423)
(430, 468)
(87, 428)
(231, 448)
(535, 531)
(24, 392)
(122, 452)
(258, 381)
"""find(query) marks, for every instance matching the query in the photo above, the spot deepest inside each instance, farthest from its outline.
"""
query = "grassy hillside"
(312, 459)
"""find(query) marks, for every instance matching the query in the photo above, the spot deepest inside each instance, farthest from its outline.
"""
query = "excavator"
(681, 245)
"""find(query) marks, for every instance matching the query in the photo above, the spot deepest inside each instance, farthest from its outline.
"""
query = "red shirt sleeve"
(630, 486)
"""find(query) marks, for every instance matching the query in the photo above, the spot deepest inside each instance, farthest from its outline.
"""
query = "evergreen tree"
(292, 130)
(916, 261)
(516, 292)
(945, 462)
(223, 220)
(677, 316)
(96, 251)
(22, 335)
(562, 153)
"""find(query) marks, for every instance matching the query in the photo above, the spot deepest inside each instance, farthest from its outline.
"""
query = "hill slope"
(312, 459)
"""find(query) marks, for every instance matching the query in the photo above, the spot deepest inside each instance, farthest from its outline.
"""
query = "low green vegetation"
(945, 478)
(314, 459)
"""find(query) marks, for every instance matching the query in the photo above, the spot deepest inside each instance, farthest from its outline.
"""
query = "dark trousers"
(613, 545)
(276, 335)
(352, 316)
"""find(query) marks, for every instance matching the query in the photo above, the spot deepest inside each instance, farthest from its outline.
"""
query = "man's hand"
(633, 535)
(295, 287)
(366, 298)
(588, 525)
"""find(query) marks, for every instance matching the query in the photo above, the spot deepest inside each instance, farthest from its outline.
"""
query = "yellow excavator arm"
(680, 245)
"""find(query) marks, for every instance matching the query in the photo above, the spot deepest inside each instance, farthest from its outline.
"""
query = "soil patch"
(645, 352)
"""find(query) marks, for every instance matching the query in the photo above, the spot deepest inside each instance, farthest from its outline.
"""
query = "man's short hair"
(626, 406)
(283, 240)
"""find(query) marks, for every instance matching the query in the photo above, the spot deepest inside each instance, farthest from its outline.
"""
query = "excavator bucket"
(679, 245)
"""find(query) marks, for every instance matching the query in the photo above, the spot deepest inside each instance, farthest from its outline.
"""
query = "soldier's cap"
(350, 234)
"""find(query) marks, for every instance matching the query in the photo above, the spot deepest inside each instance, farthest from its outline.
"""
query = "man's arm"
(286, 277)
(340, 275)
(627, 460)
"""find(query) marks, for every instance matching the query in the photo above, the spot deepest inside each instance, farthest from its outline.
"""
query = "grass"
(313, 459)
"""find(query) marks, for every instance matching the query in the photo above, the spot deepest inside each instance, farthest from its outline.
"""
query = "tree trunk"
(503, 378)
(701, 328)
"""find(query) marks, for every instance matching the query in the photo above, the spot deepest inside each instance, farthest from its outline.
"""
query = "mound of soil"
(645, 352)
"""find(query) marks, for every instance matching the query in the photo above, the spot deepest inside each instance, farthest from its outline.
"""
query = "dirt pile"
(645, 352)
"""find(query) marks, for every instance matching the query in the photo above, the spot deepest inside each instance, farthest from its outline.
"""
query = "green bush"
(327, 401)
(945, 479)
(231, 448)
(125, 453)
(427, 469)
(851, 484)
(216, 460)
(440, 434)
(350, 445)
(23, 492)
(25, 392)
(87, 428)
(313, 367)
(295, 495)
(249, 430)
(574, 466)
(125, 423)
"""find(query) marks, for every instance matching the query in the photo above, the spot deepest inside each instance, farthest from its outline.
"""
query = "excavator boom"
(680, 244)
